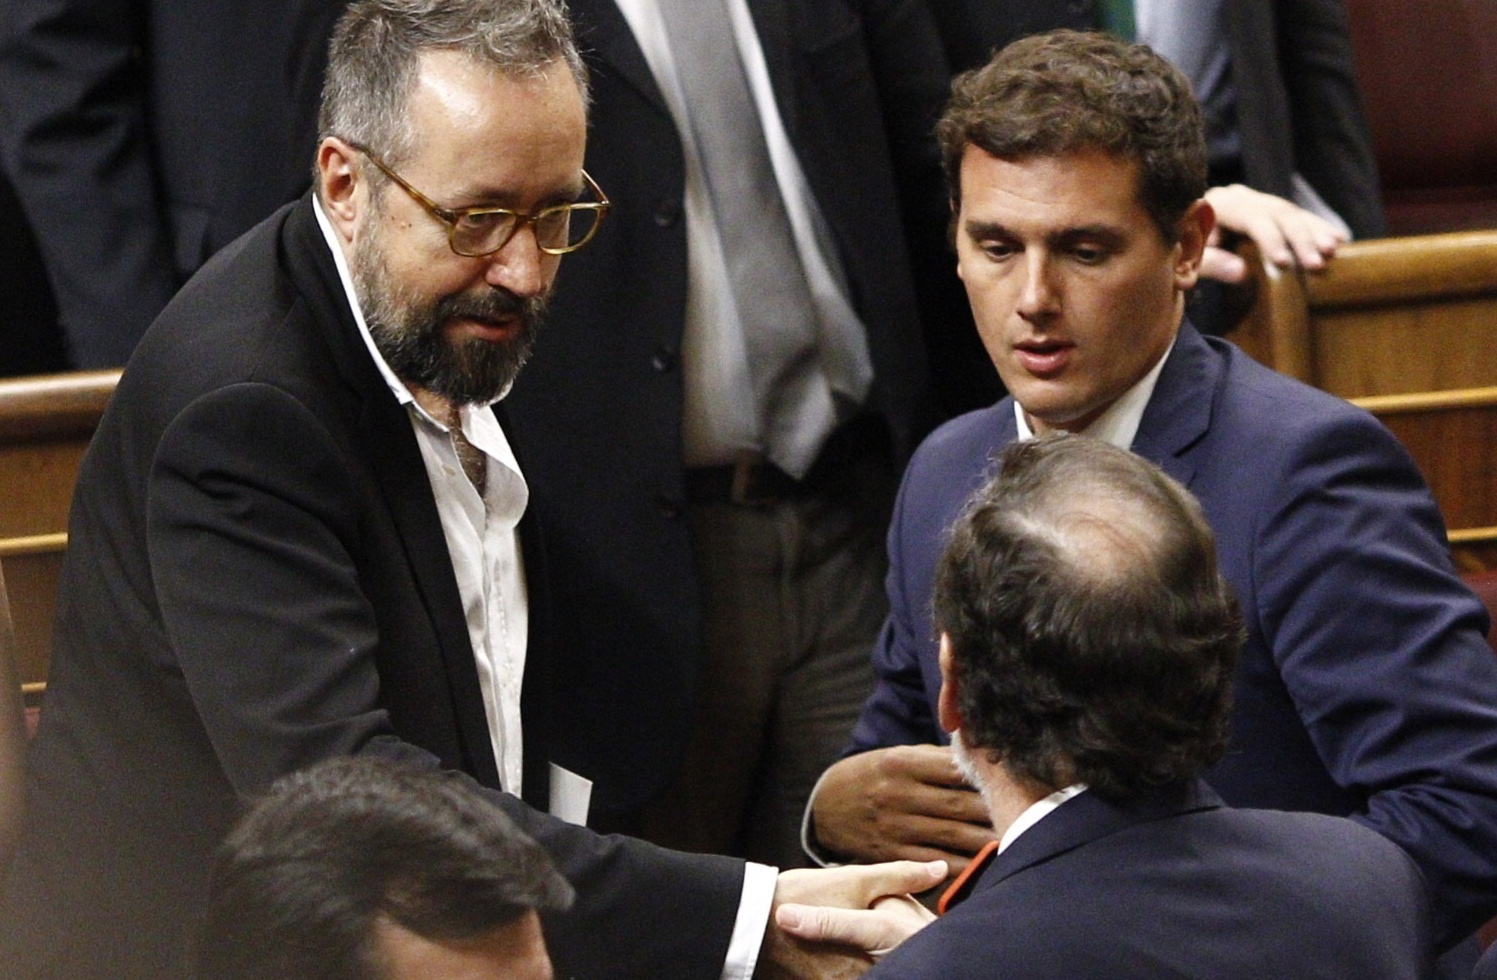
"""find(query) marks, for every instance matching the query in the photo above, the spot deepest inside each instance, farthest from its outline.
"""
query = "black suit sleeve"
(75, 134)
(912, 78)
(255, 528)
(1332, 146)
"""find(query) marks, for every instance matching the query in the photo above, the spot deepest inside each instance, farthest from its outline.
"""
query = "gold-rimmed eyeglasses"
(559, 228)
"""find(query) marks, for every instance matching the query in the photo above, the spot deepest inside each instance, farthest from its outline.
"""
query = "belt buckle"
(745, 490)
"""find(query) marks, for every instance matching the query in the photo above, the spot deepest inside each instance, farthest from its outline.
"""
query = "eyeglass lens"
(564, 227)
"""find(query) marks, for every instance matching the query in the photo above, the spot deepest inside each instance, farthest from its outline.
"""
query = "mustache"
(496, 303)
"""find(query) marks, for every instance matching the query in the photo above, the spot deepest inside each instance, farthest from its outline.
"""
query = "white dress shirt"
(482, 542)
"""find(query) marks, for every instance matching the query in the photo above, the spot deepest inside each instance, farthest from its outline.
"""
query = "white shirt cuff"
(808, 841)
(753, 919)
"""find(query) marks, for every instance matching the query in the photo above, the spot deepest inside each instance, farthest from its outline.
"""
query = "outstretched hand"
(891, 921)
(831, 923)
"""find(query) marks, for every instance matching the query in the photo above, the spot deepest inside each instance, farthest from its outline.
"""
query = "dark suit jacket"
(600, 405)
(257, 579)
(144, 136)
(1298, 108)
(1177, 885)
(1366, 685)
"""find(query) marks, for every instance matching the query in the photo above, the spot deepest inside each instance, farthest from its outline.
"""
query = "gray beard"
(965, 764)
(407, 331)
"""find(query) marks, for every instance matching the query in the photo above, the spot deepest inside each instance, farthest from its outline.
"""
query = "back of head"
(374, 58)
(1093, 638)
(301, 881)
(1068, 91)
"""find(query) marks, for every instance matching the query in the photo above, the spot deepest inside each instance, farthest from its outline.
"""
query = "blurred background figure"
(30, 342)
(360, 869)
(734, 372)
(143, 137)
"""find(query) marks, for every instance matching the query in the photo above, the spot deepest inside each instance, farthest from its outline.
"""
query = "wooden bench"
(1406, 328)
(46, 422)
(1385, 317)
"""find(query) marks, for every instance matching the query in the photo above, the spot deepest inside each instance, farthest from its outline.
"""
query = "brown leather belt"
(753, 481)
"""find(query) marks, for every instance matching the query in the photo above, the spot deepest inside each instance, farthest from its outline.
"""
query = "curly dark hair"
(1093, 638)
(1069, 91)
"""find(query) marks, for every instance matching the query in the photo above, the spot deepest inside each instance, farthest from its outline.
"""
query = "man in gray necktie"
(738, 373)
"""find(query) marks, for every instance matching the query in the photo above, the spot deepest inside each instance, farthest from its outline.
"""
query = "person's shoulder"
(1340, 847)
(1290, 424)
(1277, 399)
(967, 440)
(1245, 380)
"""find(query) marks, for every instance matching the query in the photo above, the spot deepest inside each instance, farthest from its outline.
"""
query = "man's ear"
(1195, 234)
(946, 713)
(340, 184)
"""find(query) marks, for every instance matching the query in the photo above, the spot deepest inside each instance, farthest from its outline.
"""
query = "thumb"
(906, 877)
(874, 931)
(862, 929)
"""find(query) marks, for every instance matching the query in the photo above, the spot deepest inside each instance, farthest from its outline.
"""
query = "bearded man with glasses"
(299, 531)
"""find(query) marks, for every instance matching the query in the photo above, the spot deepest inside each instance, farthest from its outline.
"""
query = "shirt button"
(664, 359)
(667, 213)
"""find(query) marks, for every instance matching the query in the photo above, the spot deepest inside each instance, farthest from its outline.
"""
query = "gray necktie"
(791, 392)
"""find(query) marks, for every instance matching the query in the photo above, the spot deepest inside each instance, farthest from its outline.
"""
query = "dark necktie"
(1116, 18)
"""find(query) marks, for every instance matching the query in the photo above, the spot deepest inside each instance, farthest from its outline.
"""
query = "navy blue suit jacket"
(1366, 686)
(1178, 885)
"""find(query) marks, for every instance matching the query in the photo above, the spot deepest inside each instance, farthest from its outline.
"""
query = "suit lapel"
(1179, 413)
(1008, 425)
(539, 684)
(389, 445)
(604, 35)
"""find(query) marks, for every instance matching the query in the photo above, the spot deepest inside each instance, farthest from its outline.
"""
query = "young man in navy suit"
(1366, 687)
(1087, 643)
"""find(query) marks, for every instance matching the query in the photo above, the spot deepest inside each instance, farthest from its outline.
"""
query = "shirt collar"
(1118, 424)
(1032, 815)
(1036, 812)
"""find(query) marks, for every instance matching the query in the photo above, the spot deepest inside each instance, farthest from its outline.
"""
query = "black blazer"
(858, 84)
(257, 579)
(144, 136)
(1177, 885)
(1298, 107)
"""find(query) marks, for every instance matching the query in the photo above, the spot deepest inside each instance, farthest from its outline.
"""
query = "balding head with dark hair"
(1092, 639)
